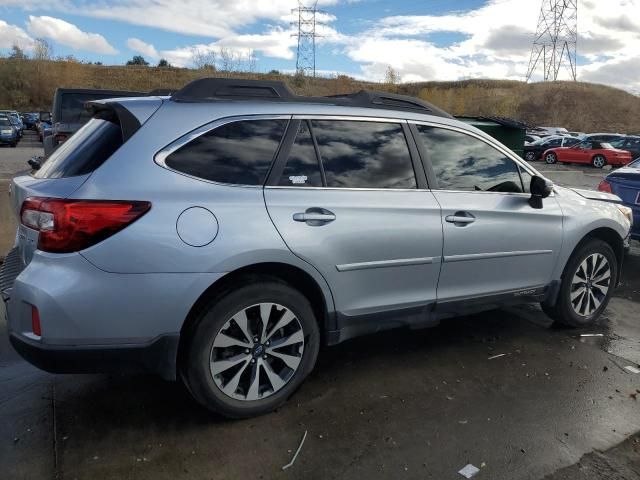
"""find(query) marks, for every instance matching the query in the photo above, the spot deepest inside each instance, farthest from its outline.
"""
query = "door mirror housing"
(540, 188)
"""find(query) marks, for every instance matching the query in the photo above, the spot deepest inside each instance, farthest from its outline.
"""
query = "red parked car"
(597, 154)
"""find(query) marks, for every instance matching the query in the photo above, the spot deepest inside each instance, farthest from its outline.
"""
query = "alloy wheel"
(598, 162)
(550, 158)
(530, 157)
(590, 284)
(257, 351)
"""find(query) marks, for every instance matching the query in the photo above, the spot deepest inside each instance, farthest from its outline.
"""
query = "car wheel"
(587, 284)
(598, 161)
(251, 349)
(550, 158)
(14, 144)
(530, 156)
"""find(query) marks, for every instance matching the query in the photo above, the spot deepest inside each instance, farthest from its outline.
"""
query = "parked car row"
(625, 183)
(11, 128)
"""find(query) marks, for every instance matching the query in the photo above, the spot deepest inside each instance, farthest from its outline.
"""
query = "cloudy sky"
(421, 39)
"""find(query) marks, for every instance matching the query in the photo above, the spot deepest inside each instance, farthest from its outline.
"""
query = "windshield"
(634, 164)
(542, 141)
(85, 150)
(5, 122)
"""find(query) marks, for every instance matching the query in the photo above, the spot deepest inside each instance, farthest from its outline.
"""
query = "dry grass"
(29, 85)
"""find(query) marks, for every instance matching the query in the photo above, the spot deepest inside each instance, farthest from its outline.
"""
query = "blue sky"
(420, 39)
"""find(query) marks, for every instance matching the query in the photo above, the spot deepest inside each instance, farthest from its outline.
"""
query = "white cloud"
(11, 35)
(68, 34)
(144, 48)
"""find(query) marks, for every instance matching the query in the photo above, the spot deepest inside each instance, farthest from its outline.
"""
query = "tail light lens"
(35, 321)
(61, 137)
(72, 225)
(604, 186)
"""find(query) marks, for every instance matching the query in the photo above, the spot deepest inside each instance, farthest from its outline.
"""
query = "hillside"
(29, 85)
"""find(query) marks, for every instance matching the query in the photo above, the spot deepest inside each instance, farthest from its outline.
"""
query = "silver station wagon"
(220, 235)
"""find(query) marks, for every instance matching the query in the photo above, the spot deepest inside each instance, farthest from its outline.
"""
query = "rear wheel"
(530, 156)
(251, 349)
(14, 144)
(550, 158)
(598, 161)
(586, 287)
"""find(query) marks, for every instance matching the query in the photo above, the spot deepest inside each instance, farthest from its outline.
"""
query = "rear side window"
(364, 154)
(463, 162)
(302, 168)
(85, 150)
(237, 153)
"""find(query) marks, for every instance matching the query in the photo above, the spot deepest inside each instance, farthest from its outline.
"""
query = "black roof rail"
(212, 89)
(207, 89)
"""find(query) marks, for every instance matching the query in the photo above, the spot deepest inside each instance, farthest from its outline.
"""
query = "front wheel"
(598, 161)
(586, 287)
(551, 158)
(251, 349)
(530, 156)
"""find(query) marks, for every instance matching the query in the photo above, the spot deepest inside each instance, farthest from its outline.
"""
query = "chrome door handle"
(460, 219)
(315, 216)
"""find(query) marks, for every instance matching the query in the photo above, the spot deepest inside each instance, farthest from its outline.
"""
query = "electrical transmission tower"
(556, 38)
(306, 56)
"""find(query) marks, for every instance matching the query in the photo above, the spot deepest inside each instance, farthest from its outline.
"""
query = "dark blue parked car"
(625, 183)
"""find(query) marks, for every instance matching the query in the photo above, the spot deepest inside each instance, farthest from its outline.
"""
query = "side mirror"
(540, 188)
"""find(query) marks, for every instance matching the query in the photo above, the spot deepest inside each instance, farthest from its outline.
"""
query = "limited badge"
(298, 179)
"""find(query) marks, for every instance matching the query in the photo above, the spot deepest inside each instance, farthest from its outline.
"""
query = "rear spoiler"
(130, 123)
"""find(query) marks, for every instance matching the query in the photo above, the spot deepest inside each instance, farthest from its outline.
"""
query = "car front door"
(350, 198)
(495, 243)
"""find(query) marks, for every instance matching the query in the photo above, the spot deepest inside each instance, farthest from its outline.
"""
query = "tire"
(530, 156)
(14, 144)
(584, 311)
(217, 324)
(550, 158)
(598, 161)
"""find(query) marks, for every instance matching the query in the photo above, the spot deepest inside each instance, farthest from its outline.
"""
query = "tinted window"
(302, 168)
(463, 162)
(570, 141)
(72, 107)
(364, 154)
(238, 152)
(85, 150)
(5, 122)
(556, 142)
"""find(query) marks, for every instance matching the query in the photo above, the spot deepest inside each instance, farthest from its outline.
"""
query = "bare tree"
(42, 50)
(203, 59)
(227, 59)
(391, 76)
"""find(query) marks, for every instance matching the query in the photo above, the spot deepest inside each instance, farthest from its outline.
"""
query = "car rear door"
(352, 201)
(495, 243)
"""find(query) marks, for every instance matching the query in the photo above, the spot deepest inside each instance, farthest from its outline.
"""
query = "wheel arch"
(607, 235)
(319, 297)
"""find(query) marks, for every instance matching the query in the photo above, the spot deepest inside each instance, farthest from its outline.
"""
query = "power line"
(307, 23)
(556, 38)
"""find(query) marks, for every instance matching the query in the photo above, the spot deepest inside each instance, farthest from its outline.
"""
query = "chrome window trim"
(496, 145)
(160, 158)
(638, 199)
(352, 118)
(287, 187)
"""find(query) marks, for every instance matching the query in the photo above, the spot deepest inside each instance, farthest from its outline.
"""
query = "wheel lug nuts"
(253, 360)
(268, 343)
(255, 339)
(246, 350)
(264, 357)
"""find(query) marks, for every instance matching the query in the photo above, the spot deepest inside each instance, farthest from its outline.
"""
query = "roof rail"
(207, 89)
(212, 89)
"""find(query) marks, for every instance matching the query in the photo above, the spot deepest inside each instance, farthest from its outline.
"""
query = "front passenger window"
(463, 162)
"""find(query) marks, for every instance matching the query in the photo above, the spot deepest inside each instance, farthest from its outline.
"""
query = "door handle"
(315, 216)
(460, 219)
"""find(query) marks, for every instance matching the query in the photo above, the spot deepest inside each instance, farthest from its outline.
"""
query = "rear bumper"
(8, 140)
(157, 357)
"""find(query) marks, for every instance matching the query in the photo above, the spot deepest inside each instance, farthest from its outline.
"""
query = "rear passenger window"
(302, 168)
(463, 162)
(237, 153)
(364, 154)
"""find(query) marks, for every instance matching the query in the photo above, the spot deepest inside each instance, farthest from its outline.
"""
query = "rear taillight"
(61, 137)
(35, 321)
(72, 225)
(604, 186)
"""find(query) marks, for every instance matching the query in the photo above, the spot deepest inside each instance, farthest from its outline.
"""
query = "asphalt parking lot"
(503, 391)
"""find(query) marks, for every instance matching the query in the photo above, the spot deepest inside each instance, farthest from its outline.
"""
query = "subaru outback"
(224, 248)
